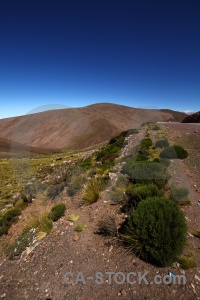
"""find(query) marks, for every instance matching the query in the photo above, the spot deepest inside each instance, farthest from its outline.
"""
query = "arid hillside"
(78, 128)
(194, 118)
(10, 148)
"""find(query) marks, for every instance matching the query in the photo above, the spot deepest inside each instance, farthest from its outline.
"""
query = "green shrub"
(187, 261)
(122, 181)
(162, 143)
(54, 190)
(107, 226)
(156, 127)
(131, 131)
(8, 218)
(146, 143)
(86, 163)
(73, 218)
(140, 192)
(178, 193)
(146, 172)
(156, 231)
(174, 152)
(165, 162)
(140, 157)
(57, 212)
(24, 197)
(118, 196)
(79, 227)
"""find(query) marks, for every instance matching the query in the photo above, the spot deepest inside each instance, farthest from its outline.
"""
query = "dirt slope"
(9, 148)
(78, 128)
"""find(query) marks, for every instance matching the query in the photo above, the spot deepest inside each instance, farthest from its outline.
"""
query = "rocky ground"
(40, 275)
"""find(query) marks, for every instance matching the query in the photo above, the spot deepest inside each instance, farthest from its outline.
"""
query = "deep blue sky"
(137, 53)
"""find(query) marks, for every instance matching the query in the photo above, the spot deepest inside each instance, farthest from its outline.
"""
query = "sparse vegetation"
(91, 193)
(174, 152)
(8, 218)
(41, 223)
(57, 212)
(73, 218)
(162, 143)
(187, 261)
(178, 193)
(16, 249)
(76, 184)
(146, 172)
(155, 127)
(107, 226)
(138, 192)
(146, 143)
(79, 227)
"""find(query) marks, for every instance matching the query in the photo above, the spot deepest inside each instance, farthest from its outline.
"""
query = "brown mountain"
(78, 128)
(194, 118)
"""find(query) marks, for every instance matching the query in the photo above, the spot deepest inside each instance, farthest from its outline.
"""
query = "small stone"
(110, 248)
(123, 293)
(76, 237)
(197, 277)
(3, 296)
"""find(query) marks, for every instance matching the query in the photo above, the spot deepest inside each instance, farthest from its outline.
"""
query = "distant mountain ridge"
(78, 128)
(193, 118)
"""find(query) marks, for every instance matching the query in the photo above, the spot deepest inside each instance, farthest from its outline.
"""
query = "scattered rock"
(76, 237)
(123, 293)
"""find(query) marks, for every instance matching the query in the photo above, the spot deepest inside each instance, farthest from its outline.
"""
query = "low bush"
(8, 218)
(165, 162)
(174, 152)
(41, 223)
(146, 172)
(118, 195)
(140, 157)
(54, 190)
(107, 226)
(162, 143)
(79, 227)
(73, 218)
(146, 143)
(57, 212)
(187, 261)
(156, 127)
(178, 193)
(86, 163)
(122, 181)
(156, 231)
(138, 192)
